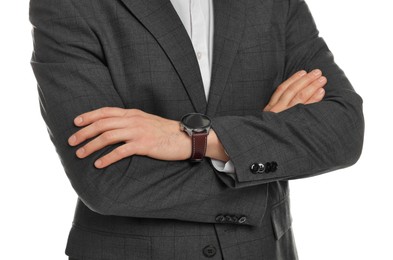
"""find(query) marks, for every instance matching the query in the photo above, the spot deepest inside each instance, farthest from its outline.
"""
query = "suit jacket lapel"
(162, 21)
(229, 20)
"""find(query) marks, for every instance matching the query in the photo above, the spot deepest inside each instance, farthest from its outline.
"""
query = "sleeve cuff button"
(257, 168)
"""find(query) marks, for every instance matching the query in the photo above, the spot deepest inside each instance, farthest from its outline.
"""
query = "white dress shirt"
(197, 18)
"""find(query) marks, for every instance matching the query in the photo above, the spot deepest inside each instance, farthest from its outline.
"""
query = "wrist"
(197, 126)
(184, 142)
(215, 149)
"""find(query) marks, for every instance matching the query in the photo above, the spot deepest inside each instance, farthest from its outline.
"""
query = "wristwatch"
(197, 126)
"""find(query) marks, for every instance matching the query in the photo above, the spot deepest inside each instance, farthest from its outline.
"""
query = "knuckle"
(104, 110)
(110, 110)
(108, 136)
(300, 96)
(290, 92)
(121, 151)
(280, 88)
(294, 101)
(135, 111)
(99, 124)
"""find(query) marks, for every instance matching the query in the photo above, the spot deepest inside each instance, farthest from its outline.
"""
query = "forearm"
(305, 140)
(73, 79)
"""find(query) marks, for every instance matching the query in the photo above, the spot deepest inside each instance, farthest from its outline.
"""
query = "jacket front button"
(209, 251)
(220, 218)
(228, 218)
(242, 220)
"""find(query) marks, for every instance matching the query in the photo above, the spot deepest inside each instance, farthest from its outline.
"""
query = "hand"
(302, 87)
(143, 134)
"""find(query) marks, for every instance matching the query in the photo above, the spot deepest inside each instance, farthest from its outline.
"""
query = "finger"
(116, 155)
(105, 139)
(100, 113)
(305, 94)
(104, 112)
(317, 96)
(97, 128)
(283, 86)
(294, 88)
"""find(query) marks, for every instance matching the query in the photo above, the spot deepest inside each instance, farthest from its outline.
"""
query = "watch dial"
(195, 121)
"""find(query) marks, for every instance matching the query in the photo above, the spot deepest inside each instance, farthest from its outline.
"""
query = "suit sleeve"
(305, 140)
(69, 64)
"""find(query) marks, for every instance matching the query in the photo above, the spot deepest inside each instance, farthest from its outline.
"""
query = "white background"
(341, 215)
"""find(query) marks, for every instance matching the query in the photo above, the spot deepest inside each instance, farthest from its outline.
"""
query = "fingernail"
(322, 79)
(72, 139)
(321, 91)
(302, 73)
(81, 151)
(78, 120)
(98, 163)
(317, 72)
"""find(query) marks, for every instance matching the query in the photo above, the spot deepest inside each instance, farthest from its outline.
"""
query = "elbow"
(93, 194)
(98, 204)
(358, 140)
(353, 136)
(100, 189)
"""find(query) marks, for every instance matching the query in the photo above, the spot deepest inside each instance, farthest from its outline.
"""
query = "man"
(126, 94)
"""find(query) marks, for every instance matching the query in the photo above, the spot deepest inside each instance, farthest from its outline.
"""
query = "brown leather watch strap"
(199, 145)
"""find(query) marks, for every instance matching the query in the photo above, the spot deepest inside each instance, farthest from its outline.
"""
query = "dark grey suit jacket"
(137, 54)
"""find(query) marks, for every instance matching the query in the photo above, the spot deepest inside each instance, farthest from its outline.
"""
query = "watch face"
(196, 121)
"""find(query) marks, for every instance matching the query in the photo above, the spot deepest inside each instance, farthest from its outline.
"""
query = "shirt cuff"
(226, 167)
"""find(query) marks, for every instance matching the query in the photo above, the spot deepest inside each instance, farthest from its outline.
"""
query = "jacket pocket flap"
(90, 244)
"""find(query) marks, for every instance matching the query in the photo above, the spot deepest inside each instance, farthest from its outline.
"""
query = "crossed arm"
(160, 138)
(315, 136)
